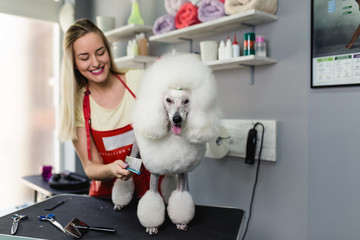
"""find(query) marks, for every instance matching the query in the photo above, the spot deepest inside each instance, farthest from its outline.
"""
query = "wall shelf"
(138, 62)
(242, 61)
(126, 32)
(217, 26)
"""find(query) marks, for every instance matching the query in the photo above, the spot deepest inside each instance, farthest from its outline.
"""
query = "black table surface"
(209, 222)
(40, 182)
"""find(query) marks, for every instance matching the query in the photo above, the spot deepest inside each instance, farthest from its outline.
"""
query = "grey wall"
(311, 192)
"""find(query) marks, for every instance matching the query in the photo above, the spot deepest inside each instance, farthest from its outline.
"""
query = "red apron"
(112, 145)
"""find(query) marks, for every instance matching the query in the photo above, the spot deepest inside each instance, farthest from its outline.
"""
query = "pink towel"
(164, 24)
(187, 16)
(210, 10)
(173, 6)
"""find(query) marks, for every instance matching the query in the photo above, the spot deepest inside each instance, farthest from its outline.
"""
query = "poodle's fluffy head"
(177, 95)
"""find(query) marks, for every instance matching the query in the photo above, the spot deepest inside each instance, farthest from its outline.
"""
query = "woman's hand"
(119, 170)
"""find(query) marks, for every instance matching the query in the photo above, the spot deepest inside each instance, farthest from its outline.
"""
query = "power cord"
(256, 178)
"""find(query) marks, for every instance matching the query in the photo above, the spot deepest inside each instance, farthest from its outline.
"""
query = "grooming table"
(209, 222)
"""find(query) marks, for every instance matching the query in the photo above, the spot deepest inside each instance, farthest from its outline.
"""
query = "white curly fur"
(122, 193)
(184, 214)
(151, 123)
(166, 151)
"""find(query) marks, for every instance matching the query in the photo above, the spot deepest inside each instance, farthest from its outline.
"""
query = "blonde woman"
(96, 104)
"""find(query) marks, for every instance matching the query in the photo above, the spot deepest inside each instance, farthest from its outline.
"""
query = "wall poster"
(335, 43)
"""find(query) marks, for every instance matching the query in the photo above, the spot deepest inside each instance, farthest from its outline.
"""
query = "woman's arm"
(95, 168)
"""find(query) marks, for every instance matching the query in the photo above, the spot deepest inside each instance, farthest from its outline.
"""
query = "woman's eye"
(101, 53)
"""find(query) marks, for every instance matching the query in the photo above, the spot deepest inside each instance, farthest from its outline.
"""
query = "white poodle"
(175, 114)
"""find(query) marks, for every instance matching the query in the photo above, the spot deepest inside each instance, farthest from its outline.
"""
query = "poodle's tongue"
(176, 130)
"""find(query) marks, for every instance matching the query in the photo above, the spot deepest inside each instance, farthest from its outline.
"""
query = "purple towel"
(210, 10)
(173, 6)
(164, 24)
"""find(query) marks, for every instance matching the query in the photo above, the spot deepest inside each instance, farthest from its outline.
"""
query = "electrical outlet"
(238, 130)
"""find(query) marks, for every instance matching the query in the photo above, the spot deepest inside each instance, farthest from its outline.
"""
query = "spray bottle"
(135, 16)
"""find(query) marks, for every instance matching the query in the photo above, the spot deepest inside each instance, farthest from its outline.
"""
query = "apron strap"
(87, 113)
(131, 92)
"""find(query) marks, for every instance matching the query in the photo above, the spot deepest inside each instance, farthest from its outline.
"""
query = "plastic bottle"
(135, 16)
(235, 48)
(142, 44)
(228, 49)
(221, 50)
(260, 46)
(249, 43)
(135, 48)
(129, 50)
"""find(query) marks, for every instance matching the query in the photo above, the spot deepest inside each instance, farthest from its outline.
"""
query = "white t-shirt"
(104, 119)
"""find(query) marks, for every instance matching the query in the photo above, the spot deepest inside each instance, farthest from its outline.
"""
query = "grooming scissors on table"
(51, 218)
(16, 219)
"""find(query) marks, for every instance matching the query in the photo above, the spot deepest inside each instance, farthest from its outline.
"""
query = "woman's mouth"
(97, 71)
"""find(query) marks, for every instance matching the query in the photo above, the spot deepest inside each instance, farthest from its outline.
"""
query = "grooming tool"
(16, 219)
(51, 218)
(77, 228)
(134, 164)
(58, 204)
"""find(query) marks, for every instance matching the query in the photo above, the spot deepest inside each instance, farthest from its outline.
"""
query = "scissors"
(16, 219)
(51, 218)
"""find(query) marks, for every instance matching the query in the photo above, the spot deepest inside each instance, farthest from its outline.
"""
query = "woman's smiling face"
(91, 57)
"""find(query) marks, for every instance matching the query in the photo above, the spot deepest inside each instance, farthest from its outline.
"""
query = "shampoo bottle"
(235, 48)
(228, 49)
(221, 50)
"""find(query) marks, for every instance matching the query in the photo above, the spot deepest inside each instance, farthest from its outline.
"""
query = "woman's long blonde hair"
(71, 80)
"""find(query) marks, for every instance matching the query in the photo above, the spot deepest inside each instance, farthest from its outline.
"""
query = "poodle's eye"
(186, 101)
(168, 100)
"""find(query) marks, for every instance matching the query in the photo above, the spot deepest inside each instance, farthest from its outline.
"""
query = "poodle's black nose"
(177, 118)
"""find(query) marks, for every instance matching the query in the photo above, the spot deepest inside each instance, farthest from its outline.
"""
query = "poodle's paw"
(151, 211)
(181, 208)
(152, 231)
(122, 193)
(118, 207)
(182, 227)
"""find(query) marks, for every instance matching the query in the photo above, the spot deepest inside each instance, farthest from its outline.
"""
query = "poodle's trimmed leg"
(181, 208)
(122, 193)
(167, 186)
(151, 207)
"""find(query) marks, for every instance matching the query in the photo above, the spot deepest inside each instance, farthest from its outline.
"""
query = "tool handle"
(102, 229)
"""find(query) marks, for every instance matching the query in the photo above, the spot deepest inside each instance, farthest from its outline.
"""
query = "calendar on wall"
(335, 43)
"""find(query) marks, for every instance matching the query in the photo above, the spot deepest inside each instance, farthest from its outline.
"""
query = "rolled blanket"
(238, 6)
(173, 6)
(164, 24)
(187, 16)
(210, 10)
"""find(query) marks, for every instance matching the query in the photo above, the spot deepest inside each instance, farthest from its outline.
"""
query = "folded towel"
(164, 24)
(238, 6)
(210, 10)
(173, 6)
(186, 16)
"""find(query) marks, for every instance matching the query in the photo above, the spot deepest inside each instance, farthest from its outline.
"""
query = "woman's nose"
(95, 62)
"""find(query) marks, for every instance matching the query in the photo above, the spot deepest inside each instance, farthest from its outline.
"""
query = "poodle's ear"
(149, 118)
(203, 125)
